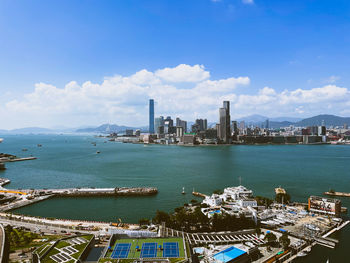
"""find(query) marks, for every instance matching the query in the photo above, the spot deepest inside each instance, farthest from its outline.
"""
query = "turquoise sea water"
(71, 161)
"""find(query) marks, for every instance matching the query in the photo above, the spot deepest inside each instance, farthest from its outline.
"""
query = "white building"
(213, 200)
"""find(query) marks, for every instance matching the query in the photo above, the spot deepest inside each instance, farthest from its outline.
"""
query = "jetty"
(199, 194)
(331, 193)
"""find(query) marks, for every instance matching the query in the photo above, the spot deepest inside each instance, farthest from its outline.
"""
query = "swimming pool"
(228, 254)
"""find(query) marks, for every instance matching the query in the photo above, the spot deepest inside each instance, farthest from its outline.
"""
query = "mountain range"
(256, 120)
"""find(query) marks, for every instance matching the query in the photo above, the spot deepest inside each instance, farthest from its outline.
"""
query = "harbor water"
(72, 161)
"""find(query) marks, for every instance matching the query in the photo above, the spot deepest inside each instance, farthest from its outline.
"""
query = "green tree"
(284, 241)
(161, 216)
(144, 221)
(282, 198)
(218, 192)
(270, 238)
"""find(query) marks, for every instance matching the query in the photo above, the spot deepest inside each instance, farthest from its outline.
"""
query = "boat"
(39, 145)
(1, 139)
(301, 254)
(24, 149)
(308, 249)
(98, 152)
(183, 190)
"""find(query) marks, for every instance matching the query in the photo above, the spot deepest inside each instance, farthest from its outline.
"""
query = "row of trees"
(193, 220)
(283, 240)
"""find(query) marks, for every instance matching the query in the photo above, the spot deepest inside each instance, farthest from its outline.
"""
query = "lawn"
(63, 243)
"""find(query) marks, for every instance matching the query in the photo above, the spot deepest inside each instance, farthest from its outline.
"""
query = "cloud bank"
(187, 91)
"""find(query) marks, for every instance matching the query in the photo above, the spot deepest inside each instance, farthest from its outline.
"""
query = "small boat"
(183, 190)
(39, 145)
(308, 250)
(1, 139)
(301, 254)
(24, 149)
(98, 152)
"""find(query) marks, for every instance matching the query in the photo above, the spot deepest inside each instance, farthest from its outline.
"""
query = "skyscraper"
(225, 125)
(151, 116)
(158, 122)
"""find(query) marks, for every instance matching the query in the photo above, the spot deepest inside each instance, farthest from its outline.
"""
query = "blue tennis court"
(149, 250)
(121, 250)
(171, 249)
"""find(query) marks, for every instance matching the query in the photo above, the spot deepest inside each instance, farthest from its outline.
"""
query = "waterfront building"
(188, 138)
(225, 127)
(137, 132)
(151, 116)
(158, 122)
(267, 124)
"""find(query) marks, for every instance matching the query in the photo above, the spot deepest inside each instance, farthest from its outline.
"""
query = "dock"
(337, 194)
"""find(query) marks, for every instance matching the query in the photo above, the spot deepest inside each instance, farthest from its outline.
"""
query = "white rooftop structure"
(238, 192)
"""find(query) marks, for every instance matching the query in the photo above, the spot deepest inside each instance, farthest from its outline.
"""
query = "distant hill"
(256, 118)
(329, 120)
(31, 130)
(110, 128)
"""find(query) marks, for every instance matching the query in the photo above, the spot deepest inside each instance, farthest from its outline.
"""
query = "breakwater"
(337, 194)
(76, 192)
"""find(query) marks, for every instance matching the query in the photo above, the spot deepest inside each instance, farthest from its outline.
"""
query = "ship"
(183, 190)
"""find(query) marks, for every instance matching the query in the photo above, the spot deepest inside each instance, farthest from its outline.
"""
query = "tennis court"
(171, 249)
(149, 250)
(121, 250)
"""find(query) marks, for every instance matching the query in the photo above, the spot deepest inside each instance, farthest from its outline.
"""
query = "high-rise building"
(225, 124)
(242, 125)
(267, 124)
(235, 127)
(203, 125)
(151, 116)
(181, 123)
(168, 125)
(158, 122)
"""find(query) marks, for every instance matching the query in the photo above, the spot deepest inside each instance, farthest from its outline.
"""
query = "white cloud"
(183, 73)
(248, 2)
(186, 91)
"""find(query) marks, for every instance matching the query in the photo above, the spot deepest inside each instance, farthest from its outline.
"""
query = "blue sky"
(72, 63)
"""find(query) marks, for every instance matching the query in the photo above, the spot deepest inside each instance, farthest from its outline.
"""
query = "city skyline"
(102, 62)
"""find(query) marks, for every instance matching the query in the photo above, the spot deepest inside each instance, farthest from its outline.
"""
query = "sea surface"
(71, 161)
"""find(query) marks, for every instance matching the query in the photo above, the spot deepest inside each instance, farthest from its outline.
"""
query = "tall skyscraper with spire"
(151, 116)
